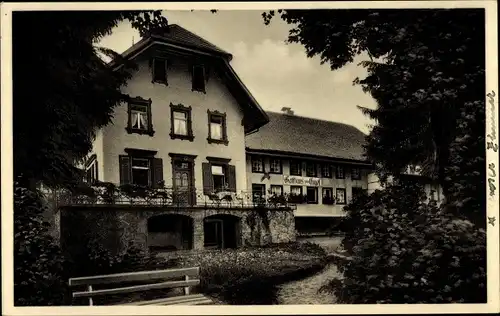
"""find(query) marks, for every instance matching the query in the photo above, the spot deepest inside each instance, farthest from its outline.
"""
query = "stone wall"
(115, 227)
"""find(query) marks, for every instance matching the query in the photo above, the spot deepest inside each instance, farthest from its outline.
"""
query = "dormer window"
(198, 78)
(139, 117)
(160, 70)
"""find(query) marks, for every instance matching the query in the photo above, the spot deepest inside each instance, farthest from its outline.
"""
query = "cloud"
(282, 75)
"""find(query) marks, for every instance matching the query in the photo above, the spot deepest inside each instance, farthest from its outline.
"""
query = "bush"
(249, 276)
(406, 250)
(38, 262)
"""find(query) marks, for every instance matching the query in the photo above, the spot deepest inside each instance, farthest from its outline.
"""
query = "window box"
(140, 117)
(180, 122)
(217, 128)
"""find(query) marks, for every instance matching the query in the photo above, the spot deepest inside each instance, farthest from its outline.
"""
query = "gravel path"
(305, 291)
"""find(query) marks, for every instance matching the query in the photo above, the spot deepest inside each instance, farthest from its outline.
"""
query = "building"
(317, 164)
(183, 133)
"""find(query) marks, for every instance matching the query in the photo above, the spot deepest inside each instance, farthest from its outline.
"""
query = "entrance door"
(214, 234)
(183, 178)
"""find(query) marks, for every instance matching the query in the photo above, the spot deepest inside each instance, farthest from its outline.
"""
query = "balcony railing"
(109, 194)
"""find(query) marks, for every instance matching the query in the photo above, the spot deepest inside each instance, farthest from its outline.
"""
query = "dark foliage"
(406, 250)
(38, 262)
(63, 91)
(426, 71)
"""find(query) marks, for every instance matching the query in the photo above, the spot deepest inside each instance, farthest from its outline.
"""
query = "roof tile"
(303, 135)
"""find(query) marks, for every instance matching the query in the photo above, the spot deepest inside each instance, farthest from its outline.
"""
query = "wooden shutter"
(231, 178)
(125, 169)
(208, 183)
(157, 172)
(96, 171)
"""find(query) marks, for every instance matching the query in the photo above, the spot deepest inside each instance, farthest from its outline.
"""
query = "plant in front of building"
(405, 249)
(38, 261)
(295, 198)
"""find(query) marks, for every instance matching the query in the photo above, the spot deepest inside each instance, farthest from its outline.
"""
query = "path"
(305, 291)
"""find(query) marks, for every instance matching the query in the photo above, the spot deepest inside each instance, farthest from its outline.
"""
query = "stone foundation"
(115, 227)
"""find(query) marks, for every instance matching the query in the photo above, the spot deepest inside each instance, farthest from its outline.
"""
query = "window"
(181, 126)
(275, 166)
(257, 164)
(296, 190)
(328, 196)
(277, 190)
(312, 195)
(340, 196)
(296, 195)
(326, 171)
(141, 172)
(219, 177)
(139, 116)
(339, 172)
(355, 174)
(295, 168)
(159, 70)
(91, 170)
(140, 167)
(258, 193)
(311, 169)
(217, 128)
(198, 80)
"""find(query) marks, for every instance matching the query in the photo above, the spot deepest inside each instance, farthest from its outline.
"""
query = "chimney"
(287, 110)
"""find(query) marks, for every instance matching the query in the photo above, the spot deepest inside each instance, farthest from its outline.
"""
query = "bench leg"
(186, 289)
(91, 302)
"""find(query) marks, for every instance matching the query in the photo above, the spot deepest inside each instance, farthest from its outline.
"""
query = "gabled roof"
(300, 135)
(178, 38)
(180, 35)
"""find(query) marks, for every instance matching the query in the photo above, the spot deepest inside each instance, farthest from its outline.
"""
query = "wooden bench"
(153, 280)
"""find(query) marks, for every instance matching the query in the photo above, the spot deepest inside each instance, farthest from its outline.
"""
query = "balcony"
(106, 194)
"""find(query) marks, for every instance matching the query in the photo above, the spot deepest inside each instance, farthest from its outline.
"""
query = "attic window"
(160, 70)
(198, 80)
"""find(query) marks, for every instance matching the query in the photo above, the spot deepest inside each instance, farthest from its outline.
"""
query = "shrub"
(38, 262)
(407, 250)
(250, 276)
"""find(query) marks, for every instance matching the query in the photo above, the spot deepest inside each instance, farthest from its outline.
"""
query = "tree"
(63, 91)
(427, 74)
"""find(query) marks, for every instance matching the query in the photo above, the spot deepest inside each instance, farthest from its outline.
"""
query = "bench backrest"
(190, 275)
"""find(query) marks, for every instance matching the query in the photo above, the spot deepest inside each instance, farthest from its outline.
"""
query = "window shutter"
(124, 169)
(157, 172)
(208, 184)
(231, 178)
(96, 171)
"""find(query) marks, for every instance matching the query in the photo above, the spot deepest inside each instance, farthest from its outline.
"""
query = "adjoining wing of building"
(192, 160)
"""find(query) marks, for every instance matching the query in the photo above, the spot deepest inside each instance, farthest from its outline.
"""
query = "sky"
(276, 73)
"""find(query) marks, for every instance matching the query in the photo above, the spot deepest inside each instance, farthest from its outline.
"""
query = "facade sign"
(296, 180)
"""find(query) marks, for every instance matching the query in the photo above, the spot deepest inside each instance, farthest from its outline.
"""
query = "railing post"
(91, 302)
